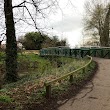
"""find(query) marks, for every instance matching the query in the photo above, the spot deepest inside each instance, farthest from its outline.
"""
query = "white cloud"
(74, 37)
(68, 24)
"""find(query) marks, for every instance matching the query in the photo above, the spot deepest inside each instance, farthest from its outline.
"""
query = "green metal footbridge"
(102, 52)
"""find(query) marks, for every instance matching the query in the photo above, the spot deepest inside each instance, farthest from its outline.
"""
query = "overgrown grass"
(44, 68)
(62, 87)
(79, 78)
(34, 71)
(5, 98)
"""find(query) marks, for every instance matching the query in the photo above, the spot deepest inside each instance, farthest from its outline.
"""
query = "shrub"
(5, 98)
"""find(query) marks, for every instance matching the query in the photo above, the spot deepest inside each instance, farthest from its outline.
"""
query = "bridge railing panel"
(76, 52)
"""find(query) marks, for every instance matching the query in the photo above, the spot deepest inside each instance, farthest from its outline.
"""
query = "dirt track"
(95, 95)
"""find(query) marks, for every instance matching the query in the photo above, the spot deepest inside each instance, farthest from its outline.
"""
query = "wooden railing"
(49, 83)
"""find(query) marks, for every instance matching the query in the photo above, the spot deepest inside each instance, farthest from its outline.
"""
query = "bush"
(5, 98)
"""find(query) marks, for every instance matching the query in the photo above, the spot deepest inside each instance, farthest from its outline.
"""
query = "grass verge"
(63, 92)
(29, 90)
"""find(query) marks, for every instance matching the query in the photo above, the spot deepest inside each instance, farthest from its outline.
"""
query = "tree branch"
(20, 5)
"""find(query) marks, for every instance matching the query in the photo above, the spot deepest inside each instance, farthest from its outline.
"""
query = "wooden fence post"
(48, 91)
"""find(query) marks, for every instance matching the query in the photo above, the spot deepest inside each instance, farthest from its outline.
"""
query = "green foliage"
(5, 98)
(33, 40)
(2, 90)
(79, 79)
(2, 57)
(36, 41)
(30, 87)
(43, 67)
(53, 42)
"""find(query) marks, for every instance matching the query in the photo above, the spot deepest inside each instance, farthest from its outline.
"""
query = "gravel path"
(95, 95)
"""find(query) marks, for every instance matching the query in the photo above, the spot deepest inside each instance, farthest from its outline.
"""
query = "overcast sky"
(66, 22)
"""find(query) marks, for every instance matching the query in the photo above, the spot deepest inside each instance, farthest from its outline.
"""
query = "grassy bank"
(34, 71)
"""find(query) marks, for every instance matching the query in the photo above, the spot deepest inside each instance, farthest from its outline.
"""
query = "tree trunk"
(0, 44)
(11, 45)
(104, 40)
(101, 35)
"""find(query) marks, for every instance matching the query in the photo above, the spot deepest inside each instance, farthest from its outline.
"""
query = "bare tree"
(11, 45)
(26, 11)
(97, 20)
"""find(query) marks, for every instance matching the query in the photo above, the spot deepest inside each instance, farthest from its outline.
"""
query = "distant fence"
(103, 52)
(71, 74)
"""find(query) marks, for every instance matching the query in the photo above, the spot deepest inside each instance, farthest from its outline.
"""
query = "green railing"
(49, 83)
(102, 52)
